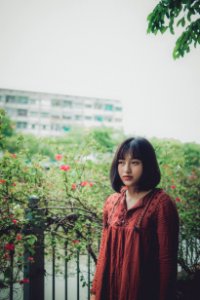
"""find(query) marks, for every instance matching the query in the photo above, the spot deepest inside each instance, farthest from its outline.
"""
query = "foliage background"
(70, 177)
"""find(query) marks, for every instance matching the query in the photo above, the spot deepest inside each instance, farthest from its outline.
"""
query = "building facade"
(46, 114)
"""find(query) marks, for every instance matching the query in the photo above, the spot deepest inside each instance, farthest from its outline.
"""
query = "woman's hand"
(92, 297)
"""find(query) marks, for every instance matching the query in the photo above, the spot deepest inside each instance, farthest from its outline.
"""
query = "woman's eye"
(135, 162)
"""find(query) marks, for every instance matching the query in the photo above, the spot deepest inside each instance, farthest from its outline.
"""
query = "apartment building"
(46, 114)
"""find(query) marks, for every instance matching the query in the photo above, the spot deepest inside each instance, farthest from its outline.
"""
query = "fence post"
(34, 271)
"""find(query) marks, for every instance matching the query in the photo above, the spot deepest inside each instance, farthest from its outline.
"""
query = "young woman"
(138, 252)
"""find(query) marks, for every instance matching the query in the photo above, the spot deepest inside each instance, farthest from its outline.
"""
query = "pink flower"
(58, 156)
(74, 186)
(25, 280)
(65, 167)
(14, 221)
(193, 176)
(18, 237)
(10, 247)
(173, 187)
(91, 183)
(178, 199)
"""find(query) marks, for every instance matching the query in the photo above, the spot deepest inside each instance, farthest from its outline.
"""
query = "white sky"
(100, 48)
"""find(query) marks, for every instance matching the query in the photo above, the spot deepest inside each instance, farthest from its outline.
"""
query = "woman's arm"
(167, 232)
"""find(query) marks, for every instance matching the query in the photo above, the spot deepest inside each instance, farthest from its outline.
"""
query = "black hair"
(139, 148)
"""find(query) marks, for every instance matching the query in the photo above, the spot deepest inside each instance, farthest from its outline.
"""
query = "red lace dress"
(138, 252)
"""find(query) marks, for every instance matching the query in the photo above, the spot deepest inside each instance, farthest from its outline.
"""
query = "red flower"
(84, 183)
(58, 156)
(14, 184)
(173, 187)
(6, 256)
(31, 259)
(178, 199)
(14, 221)
(18, 237)
(65, 167)
(25, 280)
(2, 181)
(74, 186)
(76, 241)
(13, 155)
(10, 246)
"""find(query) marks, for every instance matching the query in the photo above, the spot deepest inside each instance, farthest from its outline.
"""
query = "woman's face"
(130, 170)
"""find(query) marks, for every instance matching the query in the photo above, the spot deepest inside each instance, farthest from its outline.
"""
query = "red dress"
(138, 253)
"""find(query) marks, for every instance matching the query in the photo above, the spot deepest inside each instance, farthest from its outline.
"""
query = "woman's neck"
(133, 194)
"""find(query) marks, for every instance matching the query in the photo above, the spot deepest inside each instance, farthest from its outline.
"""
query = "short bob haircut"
(139, 148)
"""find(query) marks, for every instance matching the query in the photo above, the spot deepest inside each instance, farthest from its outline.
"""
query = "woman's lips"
(127, 177)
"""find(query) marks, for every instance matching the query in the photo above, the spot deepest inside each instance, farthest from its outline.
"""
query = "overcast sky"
(100, 48)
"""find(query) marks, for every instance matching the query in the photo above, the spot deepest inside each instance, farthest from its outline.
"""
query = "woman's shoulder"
(113, 197)
(164, 199)
(111, 200)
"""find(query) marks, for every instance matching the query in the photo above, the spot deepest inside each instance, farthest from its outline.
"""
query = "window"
(118, 120)
(67, 103)
(33, 126)
(11, 111)
(108, 119)
(66, 128)
(99, 118)
(55, 102)
(98, 106)
(16, 99)
(67, 117)
(55, 127)
(109, 107)
(22, 112)
(21, 125)
(78, 117)
(33, 113)
(88, 118)
(44, 114)
(10, 99)
(55, 117)
(118, 108)
(88, 105)
(78, 105)
(22, 99)
(32, 101)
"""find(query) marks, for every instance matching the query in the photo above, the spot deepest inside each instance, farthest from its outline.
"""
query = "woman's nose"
(127, 167)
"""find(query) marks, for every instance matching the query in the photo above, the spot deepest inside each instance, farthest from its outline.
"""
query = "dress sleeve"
(102, 245)
(167, 232)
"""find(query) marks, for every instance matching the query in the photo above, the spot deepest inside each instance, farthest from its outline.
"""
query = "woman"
(138, 252)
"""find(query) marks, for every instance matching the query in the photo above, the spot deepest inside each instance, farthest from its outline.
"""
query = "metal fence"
(36, 272)
(189, 250)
